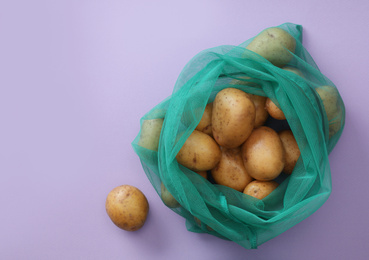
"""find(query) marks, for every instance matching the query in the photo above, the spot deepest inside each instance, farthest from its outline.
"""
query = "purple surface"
(76, 77)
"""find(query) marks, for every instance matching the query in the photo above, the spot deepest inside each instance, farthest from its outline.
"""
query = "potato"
(260, 189)
(168, 198)
(275, 45)
(261, 114)
(233, 117)
(263, 154)
(150, 133)
(199, 153)
(336, 123)
(273, 110)
(294, 70)
(205, 125)
(259, 102)
(329, 96)
(292, 150)
(203, 174)
(127, 207)
(230, 171)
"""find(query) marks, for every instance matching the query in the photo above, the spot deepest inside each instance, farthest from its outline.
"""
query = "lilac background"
(77, 75)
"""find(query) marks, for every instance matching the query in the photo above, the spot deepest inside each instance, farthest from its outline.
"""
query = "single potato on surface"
(168, 198)
(233, 117)
(205, 125)
(150, 133)
(199, 153)
(127, 207)
(230, 171)
(291, 149)
(263, 154)
(273, 110)
(275, 45)
(260, 189)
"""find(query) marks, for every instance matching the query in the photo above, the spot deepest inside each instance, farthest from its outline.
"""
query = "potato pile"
(231, 145)
(240, 152)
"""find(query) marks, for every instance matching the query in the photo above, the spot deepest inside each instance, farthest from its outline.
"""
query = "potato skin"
(233, 117)
(263, 154)
(168, 198)
(205, 124)
(127, 207)
(273, 110)
(329, 96)
(274, 45)
(199, 153)
(260, 189)
(230, 171)
(261, 114)
(292, 150)
(150, 133)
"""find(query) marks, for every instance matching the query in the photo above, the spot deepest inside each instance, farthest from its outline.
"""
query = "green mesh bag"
(222, 211)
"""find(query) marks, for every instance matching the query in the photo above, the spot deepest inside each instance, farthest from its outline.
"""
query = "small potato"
(199, 153)
(275, 45)
(127, 207)
(260, 189)
(230, 171)
(150, 133)
(329, 96)
(291, 149)
(273, 110)
(203, 174)
(261, 114)
(263, 154)
(294, 70)
(233, 117)
(205, 125)
(168, 198)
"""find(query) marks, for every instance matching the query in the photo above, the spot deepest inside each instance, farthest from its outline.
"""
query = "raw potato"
(205, 125)
(259, 102)
(230, 171)
(275, 45)
(203, 174)
(329, 96)
(262, 114)
(291, 149)
(273, 110)
(233, 117)
(127, 207)
(263, 154)
(294, 70)
(168, 198)
(150, 133)
(199, 153)
(260, 189)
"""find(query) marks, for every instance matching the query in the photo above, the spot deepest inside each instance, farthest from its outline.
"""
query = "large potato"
(150, 133)
(275, 45)
(199, 153)
(233, 117)
(127, 207)
(230, 171)
(294, 70)
(292, 150)
(205, 125)
(263, 154)
(260, 189)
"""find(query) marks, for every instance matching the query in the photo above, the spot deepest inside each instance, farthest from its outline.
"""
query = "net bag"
(219, 210)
